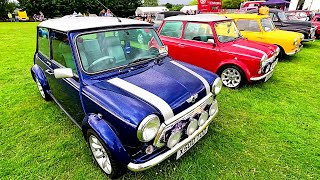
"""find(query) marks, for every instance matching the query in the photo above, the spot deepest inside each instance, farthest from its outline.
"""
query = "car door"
(170, 34)
(250, 29)
(65, 90)
(197, 50)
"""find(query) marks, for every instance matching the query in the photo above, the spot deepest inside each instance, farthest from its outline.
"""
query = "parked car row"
(135, 104)
(282, 22)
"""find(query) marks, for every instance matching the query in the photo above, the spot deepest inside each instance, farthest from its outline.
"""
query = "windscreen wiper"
(134, 62)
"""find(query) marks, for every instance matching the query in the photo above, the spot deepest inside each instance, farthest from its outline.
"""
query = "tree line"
(121, 8)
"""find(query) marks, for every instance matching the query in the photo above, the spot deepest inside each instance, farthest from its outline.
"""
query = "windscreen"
(106, 50)
(227, 31)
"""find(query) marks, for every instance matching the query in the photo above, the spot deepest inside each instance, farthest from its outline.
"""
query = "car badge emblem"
(192, 99)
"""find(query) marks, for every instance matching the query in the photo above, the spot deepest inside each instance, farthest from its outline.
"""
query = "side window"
(248, 25)
(172, 29)
(43, 42)
(274, 17)
(61, 51)
(198, 32)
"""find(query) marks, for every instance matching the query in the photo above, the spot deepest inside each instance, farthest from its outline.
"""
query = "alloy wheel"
(40, 88)
(231, 77)
(100, 154)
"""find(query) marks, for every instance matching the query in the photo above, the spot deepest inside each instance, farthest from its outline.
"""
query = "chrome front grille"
(180, 121)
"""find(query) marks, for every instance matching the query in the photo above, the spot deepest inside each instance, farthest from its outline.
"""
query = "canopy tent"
(188, 8)
(144, 11)
(275, 3)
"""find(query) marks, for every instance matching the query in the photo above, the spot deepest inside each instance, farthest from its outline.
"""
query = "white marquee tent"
(188, 8)
(307, 5)
(143, 11)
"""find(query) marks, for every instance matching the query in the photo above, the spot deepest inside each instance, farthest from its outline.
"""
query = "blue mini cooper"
(135, 105)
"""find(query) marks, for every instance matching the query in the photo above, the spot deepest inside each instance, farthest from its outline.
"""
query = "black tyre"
(103, 157)
(282, 54)
(42, 92)
(232, 76)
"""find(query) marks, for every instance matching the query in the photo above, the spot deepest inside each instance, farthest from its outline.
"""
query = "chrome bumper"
(295, 51)
(267, 74)
(164, 156)
(308, 40)
(261, 77)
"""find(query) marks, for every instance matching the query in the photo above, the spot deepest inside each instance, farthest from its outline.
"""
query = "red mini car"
(316, 21)
(213, 42)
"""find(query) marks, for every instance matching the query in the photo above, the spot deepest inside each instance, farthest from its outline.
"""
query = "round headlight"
(213, 108)
(268, 68)
(192, 127)
(217, 86)
(295, 41)
(203, 118)
(148, 128)
(263, 59)
(174, 139)
(277, 51)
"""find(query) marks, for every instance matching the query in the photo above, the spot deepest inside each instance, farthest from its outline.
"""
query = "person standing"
(108, 14)
(102, 12)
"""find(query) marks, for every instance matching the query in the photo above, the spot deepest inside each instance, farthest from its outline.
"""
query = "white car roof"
(199, 18)
(79, 23)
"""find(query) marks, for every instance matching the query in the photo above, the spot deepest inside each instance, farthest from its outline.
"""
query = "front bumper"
(308, 40)
(295, 51)
(263, 76)
(164, 156)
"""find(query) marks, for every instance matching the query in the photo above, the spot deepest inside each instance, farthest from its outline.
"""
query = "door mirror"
(63, 73)
(211, 41)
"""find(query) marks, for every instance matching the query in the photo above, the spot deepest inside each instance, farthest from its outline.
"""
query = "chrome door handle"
(49, 71)
(180, 45)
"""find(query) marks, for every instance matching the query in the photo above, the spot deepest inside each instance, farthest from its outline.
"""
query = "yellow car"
(261, 28)
(22, 16)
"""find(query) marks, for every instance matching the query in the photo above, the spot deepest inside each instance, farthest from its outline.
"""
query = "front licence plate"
(186, 147)
(268, 77)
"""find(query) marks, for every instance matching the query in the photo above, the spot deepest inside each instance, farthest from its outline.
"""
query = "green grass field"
(263, 131)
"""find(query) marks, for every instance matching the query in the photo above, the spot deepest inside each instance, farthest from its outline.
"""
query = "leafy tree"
(231, 4)
(5, 7)
(168, 5)
(193, 2)
(148, 3)
(58, 8)
(176, 7)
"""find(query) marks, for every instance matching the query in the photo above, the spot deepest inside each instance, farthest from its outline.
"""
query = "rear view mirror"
(211, 41)
(63, 73)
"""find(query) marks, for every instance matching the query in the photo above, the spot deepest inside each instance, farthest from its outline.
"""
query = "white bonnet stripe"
(249, 48)
(205, 82)
(151, 98)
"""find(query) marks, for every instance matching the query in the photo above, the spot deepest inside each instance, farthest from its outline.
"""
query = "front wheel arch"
(282, 52)
(108, 135)
(245, 70)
